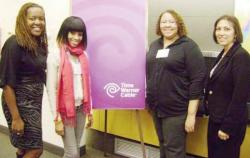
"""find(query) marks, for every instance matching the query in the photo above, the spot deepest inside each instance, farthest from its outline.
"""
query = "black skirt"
(29, 103)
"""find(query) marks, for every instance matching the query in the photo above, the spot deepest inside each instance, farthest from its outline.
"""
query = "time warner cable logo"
(127, 90)
(111, 88)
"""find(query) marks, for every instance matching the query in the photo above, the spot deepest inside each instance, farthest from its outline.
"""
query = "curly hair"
(23, 35)
(182, 31)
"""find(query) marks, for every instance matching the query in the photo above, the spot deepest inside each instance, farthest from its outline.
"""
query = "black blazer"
(227, 90)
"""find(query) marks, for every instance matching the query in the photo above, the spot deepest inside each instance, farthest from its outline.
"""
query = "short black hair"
(70, 24)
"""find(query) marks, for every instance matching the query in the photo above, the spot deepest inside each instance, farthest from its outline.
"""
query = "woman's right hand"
(17, 126)
(222, 135)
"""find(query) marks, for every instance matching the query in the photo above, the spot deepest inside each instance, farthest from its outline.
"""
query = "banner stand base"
(105, 133)
(138, 118)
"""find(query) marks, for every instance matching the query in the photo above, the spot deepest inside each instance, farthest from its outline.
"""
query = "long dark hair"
(71, 24)
(23, 35)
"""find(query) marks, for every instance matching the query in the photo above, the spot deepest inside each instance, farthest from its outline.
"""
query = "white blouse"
(77, 79)
(215, 66)
(53, 62)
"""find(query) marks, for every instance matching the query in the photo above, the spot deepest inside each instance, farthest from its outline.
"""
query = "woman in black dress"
(22, 77)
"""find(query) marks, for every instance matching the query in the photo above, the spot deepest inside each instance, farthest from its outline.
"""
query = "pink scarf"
(66, 100)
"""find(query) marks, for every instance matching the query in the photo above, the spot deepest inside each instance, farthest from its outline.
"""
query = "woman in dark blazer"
(227, 91)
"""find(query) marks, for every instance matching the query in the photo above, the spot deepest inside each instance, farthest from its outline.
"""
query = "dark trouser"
(230, 148)
(172, 136)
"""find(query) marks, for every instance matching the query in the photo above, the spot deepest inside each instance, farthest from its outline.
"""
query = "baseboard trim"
(47, 146)
(53, 148)
(4, 129)
(96, 140)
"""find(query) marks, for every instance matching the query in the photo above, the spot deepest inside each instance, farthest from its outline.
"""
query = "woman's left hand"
(90, 121)
(190, 123)
(222, 135)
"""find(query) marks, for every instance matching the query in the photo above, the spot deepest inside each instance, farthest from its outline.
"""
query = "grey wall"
(199, 17)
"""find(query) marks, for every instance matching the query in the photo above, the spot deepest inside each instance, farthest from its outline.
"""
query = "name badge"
(162, 53)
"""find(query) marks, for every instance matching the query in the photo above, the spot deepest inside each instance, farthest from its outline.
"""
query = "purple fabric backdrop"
(116, 48)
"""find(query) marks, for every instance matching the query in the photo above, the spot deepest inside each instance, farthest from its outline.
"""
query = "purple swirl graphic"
(116, 47)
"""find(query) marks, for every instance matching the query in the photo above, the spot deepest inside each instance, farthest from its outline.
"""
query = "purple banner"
(116, 48)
